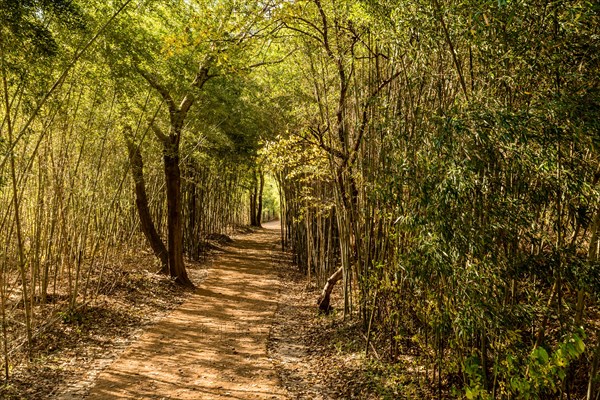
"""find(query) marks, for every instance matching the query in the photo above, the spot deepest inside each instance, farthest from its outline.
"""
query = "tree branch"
(203, 74)
(159, 133)
(200, 79)
(325, 29)
(153, 81)
(310, 35)
(452, 50)
(262, 63)
(309, 23)
(319, 137)
(365, 115)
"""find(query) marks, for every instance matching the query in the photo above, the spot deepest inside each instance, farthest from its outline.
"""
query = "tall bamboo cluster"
(459, 142)
(309, 228)
(215, 202)
(67, 205)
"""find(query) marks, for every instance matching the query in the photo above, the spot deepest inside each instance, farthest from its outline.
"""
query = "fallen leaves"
(70, 352)
(322, 357)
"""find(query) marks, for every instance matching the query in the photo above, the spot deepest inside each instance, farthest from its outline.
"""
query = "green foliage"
(535, 376)
(26, 24)
(446, 153)
(473, 197)
(271, 196)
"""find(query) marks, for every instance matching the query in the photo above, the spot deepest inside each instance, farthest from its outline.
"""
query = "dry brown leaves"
(70, 352)
(323, 357)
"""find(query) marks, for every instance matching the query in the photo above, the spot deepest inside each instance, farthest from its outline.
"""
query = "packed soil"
(69, 348)
(250, 330)
(317, 356)
(214, 345)
(324, 357)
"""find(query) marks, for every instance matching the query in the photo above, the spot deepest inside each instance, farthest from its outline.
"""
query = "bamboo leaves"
(468, 178)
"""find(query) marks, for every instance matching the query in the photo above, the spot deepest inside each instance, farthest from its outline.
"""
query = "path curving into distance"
(214, 346)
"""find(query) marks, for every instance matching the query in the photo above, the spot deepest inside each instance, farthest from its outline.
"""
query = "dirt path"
(214, 345)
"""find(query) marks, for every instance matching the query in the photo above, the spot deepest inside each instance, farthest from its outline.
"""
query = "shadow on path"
(214, 345)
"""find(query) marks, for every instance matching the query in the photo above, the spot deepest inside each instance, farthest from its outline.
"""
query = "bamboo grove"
(80, 155)
(435, 159)
(443, 168)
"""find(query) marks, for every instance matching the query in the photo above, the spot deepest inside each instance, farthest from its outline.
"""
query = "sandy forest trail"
(214, 346)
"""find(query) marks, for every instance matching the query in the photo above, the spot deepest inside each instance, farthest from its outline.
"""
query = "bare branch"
(311, 24)
(452, 50)
(203, 75)
(200, 79)
(279, 61)
(186, 103)
(325, 31)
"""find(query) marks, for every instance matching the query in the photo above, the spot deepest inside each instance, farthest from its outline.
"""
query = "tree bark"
(141, 202)
(259, 205)
(253, 201)
(324, 299)
(177, 115)
(174, 221)
(192, 244)
(253, 207)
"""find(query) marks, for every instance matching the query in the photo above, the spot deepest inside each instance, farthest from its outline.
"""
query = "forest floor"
(323, 357)
(213, 346)
(250, 330)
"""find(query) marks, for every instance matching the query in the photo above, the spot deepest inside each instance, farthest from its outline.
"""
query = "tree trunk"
(193, 244)
(141, 202)
(170, 144)
(254, 221)
(259, 205)
(593, 372)
(174, 220)
(253, 207)
(324, 299)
